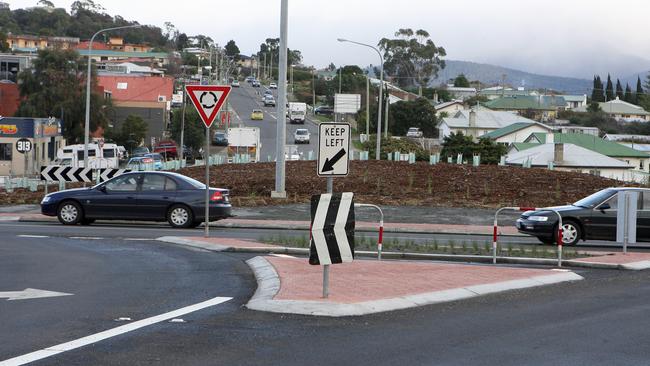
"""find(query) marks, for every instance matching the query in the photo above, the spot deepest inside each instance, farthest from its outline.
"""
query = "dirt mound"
(393, 183)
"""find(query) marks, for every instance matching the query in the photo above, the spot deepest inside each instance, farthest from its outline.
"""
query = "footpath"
(288, 284)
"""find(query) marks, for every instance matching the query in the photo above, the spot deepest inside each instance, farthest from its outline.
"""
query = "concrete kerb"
(268, 283)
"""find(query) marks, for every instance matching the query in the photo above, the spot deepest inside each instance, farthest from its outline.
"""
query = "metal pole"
(313, 92)
(367, 106)
(625, 224)
(183, 123)
(281, 108)
(326, 281)
(387, 105)
(207, 183)
(330, 185)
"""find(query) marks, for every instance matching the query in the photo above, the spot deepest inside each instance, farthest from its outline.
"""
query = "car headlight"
(46, 199)
(538, 218)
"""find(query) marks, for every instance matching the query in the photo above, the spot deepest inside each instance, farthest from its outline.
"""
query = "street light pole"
(88, 77)
(280, 191)
(381, 94)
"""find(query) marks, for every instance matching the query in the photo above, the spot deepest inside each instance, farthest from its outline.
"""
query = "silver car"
(301, 136)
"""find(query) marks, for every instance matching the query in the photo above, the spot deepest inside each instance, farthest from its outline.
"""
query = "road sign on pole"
(207, 100)
(333, 149)
(23, 145)
(332, 228)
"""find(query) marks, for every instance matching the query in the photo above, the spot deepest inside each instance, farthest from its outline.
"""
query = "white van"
(108, 156)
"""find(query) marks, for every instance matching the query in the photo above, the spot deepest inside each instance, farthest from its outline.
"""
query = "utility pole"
(367, 106)
(313, 92)
(387, 104)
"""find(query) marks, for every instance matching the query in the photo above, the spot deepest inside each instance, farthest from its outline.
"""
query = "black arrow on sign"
(329, 164)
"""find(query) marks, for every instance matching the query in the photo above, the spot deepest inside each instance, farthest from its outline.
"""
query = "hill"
(492, 74)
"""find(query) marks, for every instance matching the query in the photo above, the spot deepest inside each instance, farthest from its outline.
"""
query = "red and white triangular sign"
(207, 100)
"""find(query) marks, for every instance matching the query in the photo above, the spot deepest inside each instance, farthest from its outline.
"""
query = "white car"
(273, 86)
(301, 136)
(414, 132)
(235, 83)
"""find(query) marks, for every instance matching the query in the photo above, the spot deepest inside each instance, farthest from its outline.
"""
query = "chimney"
(558, 153)
(472, 118)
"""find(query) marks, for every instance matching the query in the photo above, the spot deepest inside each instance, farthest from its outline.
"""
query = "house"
(496, 92)
(29, 43)
(594, 131)
(327, 75)
(574, 101)
(449, 108)
(460, 93)
(45, 136)
(636, 142)
(540, 107)
(573, 158)
(12, 64)
(517, 132)
(146, 96)
(107, 68)
(157, 58)
(477, 121)
(621, 111)
(638, 160)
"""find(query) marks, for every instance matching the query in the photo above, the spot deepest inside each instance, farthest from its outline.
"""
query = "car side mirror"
(102, 189)
(604, 206)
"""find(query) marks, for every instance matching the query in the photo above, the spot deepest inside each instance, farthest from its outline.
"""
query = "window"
(641, 165)
(613, 202)
(125, 183)
(157, 182)
(109, 153)
(5, 151)
(80, 154)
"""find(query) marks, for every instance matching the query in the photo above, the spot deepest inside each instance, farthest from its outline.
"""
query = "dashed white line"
(33, 236)
(86, 238)
(97, 337)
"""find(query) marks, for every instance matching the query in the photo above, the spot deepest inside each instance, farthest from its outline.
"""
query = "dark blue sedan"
(143, 196)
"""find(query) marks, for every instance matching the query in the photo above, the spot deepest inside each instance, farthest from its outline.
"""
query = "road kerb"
(269, 285)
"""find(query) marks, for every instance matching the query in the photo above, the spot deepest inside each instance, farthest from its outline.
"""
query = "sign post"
(626, 218)
(24, 146)
(207, 100)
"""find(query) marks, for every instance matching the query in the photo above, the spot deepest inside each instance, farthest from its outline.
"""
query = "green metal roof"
(523, 102)
(506, 130)
(595, 143)
(108, 53)
(524, 145)
(540, 136)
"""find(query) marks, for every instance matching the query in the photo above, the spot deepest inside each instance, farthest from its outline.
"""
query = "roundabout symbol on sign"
(214, 100)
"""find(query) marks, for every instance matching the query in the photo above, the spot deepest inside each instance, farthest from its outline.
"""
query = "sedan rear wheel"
(180, 216)
(70, 213)
(570, 233)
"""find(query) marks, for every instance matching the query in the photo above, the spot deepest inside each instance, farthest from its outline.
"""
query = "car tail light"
(148, 160)
(217, 196)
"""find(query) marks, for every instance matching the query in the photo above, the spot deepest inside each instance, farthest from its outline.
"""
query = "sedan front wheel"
(70, 213)
(570, 233)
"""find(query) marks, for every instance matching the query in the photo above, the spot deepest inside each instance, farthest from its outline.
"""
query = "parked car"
(269, 101)
(591, 218)
(145, 196)
(157, 160)
(255, 84)
(167, 149)
(414, 132)
(220, 139)
(140, 163)
(139, 151)
(324, 110)
(273, 86)
(257, 115)
(235, 83)
(301, 136)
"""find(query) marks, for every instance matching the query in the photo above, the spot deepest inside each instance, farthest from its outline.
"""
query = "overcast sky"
(565, 38)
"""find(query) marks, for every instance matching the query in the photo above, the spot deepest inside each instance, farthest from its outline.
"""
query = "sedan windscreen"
(596, 198)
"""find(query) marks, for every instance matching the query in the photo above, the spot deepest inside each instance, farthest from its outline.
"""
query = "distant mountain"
(631, 79)
(491, 75)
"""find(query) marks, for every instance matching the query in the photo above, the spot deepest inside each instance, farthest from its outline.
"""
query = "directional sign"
(333, 149)
(56, 173)
(108, 173)
(23, 145)
(30, 293)
(332, 228)
(207, 100)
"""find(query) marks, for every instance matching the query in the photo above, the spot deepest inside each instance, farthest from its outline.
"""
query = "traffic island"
(629, 261)
(290, 285)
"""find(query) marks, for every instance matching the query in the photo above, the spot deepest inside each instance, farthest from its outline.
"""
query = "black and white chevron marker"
(332, 228)
(56, 173)
(107, 173)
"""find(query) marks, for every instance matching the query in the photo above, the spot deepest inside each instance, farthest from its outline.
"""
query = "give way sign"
(207, 100)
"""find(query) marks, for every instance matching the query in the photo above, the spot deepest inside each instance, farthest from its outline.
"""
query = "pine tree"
(639, 95)
(597, 92)
(629, 97)
(609, 90)
(619, 90)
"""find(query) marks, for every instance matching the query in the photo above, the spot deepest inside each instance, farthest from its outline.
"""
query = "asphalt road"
(599, 321)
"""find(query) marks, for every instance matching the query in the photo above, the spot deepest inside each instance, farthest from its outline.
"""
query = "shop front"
(44, 135)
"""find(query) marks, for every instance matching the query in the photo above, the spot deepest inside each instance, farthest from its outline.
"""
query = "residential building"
(247, 62)
(638, 160)
(461, 93)
(517, 132)
(117, 44)
(574, 101)
(29, 43)
(146, 96)
(107, 68)
(477, 121)
(158, 59)
(621, 111)
(573, 158)
(496, 92)
(449, 108)
(45, 135)
(594, 131)
(326, 74)
(9, 98)
(540, 107)
(636, 142)
(12, 64)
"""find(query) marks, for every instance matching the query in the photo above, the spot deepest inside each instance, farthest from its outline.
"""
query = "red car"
(167, 149)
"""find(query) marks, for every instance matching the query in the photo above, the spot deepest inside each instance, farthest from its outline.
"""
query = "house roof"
(621, 137)
(106, 53)
(574, 156)
(503, 131)
(574, 98)
(591, 142)
(447, 104)
(519, 146)
(527, 102)
(485, 118)
(618, 106)
(134, 88)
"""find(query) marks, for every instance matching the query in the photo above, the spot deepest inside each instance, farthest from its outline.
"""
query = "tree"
(131, 134)
(609, 91)
(457, 143)
(597, 94)
(232, 50)
(4, 46)
(55, 86)
(629, 97)
(45, 3)
(412, 58)
(194, 136)
(331, 67)
(418, 113)
(461, 81)
(619, 90)
(594, 107)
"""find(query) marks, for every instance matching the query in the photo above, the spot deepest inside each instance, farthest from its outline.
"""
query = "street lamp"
(381, 87)
(88, 77)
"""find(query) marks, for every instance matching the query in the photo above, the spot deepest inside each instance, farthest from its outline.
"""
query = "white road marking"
(85, 238)
(30, 293)
(282, 255)
(139, 239)
(33, 236)
(97, 337)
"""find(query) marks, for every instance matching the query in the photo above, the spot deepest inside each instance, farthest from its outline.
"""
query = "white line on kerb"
(33, 236)
(94, 338)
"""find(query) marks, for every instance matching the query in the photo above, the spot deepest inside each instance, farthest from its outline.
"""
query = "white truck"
(297, 112)
(99, 155)
(244, 141)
